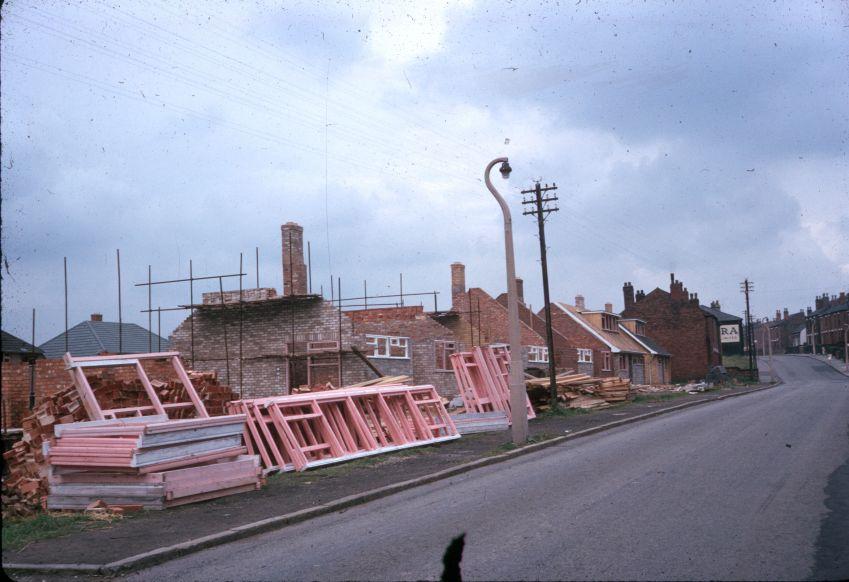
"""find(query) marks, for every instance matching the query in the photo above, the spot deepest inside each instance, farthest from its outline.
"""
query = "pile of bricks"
(26, 486)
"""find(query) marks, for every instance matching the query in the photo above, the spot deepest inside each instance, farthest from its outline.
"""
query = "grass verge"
(659, 396)
(21, 531)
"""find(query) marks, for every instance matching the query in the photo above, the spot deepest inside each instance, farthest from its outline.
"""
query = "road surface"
(753, 487)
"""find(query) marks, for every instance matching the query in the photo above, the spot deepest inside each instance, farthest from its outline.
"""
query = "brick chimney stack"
(458, 279)
(520, 290)
(677, 290)
(786, 313)
(628, 294)
(777, 314)
(294, 269)
(579, 302)
(97, 317)
(608, 307)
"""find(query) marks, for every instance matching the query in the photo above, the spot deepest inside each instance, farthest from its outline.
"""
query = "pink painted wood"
(93, 409)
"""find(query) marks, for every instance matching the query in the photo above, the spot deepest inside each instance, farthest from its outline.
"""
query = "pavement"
(835, 363)
(749, 488)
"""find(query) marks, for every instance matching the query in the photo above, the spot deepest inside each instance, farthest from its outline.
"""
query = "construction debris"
(301, 431)
(26, 486)
(483, 379)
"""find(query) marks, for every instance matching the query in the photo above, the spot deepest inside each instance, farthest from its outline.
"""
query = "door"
(637, 370)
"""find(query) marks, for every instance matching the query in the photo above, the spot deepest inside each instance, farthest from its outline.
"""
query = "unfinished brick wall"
(254, 294)
(413, 323)
(675, 320)
(494, 318)
(267, 329)
(51, 376)
(565, 356)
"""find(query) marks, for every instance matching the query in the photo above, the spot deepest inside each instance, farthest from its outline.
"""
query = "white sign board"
(729, 334)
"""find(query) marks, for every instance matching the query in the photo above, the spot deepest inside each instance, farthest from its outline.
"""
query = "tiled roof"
(721, 316)
(832, 309)
(653, 345)
(617, 342)
(15, 345)
(91, 338)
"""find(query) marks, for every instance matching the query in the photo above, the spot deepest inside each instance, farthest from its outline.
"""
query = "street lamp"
(518, 396)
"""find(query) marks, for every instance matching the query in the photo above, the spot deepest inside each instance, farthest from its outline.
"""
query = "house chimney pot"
(628, 294)
(97, 317)
(579, 302)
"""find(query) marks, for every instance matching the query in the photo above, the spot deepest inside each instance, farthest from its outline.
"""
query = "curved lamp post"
(517, 383)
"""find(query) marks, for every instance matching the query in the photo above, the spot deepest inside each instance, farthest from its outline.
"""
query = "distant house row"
(262, 343)
(821, 330)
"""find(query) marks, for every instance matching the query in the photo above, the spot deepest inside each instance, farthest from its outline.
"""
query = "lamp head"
(505, 170)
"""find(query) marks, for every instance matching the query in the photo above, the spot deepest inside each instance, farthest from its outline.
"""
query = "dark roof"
(832, 309)
(721, 316)
(653, 345)
(91, 338)
(15, 345)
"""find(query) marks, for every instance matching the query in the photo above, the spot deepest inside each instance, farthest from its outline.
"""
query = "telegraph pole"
(541, 211)
(747, 287)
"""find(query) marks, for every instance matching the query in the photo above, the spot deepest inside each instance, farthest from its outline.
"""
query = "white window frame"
(390, 341)
(448, 347)
(606, 361)
(585, 356)
(537, 354)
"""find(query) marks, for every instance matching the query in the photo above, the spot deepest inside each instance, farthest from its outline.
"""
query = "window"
(386, 346)
(641, 328)
(608, 322)
(623, 362)
(444, 349)
(538, 354)
(608, 361)
(585, 356)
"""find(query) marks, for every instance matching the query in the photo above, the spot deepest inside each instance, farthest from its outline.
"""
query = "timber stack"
(580, 390)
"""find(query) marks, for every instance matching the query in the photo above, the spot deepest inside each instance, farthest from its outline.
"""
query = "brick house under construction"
(405, 340)
(287, 341)
(476, 319)
(301, 339)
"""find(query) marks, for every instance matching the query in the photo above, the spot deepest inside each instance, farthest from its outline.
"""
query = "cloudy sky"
(707, 139)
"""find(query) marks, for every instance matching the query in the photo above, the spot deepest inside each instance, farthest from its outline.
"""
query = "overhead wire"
(378, 145)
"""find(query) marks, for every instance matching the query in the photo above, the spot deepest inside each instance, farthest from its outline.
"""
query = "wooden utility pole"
(541, 211)
(747, 287)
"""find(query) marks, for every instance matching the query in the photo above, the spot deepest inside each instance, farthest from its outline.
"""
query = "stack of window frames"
(301, 431)
(483, 379)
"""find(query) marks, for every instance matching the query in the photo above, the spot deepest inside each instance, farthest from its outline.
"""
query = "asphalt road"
(755, 487)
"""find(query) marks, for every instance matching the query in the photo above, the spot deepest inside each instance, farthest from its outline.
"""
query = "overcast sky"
(707, 139)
